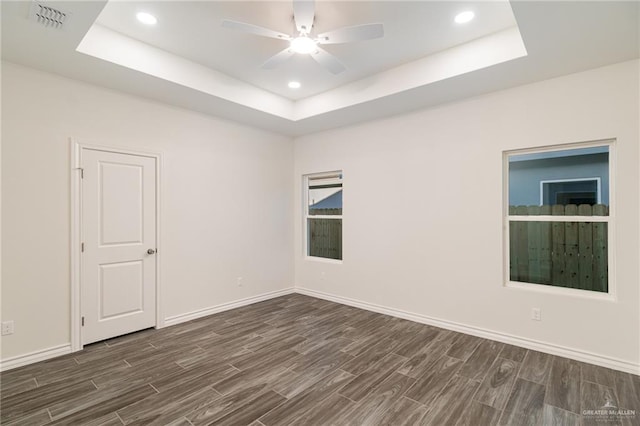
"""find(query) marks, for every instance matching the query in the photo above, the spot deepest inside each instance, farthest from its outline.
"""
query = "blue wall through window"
(566, 169)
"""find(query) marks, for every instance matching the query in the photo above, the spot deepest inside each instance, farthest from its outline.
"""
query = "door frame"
(76, 233)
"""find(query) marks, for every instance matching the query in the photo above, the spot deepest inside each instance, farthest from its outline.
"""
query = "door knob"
(151, 251)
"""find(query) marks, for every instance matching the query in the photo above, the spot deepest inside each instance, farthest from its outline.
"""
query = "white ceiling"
(413, 30)
(424, 59)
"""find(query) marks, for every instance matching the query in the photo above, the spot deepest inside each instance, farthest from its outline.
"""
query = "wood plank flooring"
(297, 360)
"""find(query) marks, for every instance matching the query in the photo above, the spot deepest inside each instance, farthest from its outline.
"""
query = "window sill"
(563, 291)
(323, 260)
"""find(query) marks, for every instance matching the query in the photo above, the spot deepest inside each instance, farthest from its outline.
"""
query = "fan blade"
(254, 29)
(277, 59)
(349, 34)
(303, 13)
(328, 61)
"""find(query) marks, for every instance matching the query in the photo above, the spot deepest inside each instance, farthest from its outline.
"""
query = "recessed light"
(146, 18)
(464, 17)
(294, 85)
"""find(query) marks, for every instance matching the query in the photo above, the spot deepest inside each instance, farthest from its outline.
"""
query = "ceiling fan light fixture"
(303, 45)
(464, 17)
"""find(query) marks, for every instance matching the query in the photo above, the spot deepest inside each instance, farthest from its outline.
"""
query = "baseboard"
(578, 355)
(615, 364)
(32, 357)
(177, 319)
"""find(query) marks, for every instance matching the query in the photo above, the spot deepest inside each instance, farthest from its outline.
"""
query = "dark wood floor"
(304, 361)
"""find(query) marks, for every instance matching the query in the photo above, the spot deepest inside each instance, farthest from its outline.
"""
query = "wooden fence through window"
(562, 254)
(325, 235)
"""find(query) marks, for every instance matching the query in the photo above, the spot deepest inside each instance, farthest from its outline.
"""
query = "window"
(558, 217)
(570, 191)
(323, 215)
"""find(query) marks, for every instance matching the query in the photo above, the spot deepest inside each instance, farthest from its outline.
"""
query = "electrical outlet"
(239, 281)
(7, 327)
(536, 314)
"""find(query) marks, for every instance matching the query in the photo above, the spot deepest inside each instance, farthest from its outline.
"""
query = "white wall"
(422, 227)
(411, 241)
(226, 201)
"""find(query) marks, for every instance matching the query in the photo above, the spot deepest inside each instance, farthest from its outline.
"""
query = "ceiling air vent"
(47, 15)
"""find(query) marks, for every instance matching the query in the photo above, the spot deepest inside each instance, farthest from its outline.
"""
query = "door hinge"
(83, 321)
(82, 247)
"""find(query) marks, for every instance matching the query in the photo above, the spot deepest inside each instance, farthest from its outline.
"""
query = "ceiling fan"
(304, 42)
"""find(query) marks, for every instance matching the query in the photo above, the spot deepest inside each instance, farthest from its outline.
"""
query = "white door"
(118, 291)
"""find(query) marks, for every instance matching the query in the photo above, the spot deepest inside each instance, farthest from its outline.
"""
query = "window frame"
(611, 294)
(589, 179)
(306, 216)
